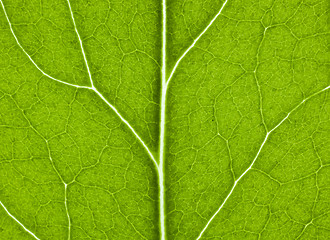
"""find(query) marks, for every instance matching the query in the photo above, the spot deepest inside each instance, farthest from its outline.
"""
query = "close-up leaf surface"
(164, 119)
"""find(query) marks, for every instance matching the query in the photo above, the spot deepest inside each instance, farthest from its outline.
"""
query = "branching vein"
(19, 44)
(78, 86)
(194, 42)
(128, 125)
(81, 45)
(101, 96)
(255, 158)
(165, 83)
(164, 87)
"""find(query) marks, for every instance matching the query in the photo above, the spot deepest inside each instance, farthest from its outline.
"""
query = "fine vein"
(67, 209)
(19, 44)
(165, 83)
(128, 125)
(101, 96)
(255, 158)
(194, 42)
(78, 86)
(18, 221)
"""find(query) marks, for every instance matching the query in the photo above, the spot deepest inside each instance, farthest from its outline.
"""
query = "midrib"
(164, 86)
(160, 168)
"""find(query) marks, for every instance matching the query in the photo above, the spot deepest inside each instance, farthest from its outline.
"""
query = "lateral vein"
(77, 86)
(128, 125)
(101, 96)
(194, 42)
(19, 44)
(255, 158)
(16, 220)
(81, 45)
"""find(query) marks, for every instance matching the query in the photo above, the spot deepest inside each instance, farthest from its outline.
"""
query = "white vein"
(77, 86)
(101, 96)
(19, 44)
(162, 130)
(81, 45)
(255, 158)
(67, 209)
(27, 230)
(128, 125)
(165, 84)
(194, 42)
(163, 106)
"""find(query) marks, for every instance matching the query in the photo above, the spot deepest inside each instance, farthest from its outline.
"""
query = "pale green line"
(249, 168)
(127, 123)
(77, 86)
(101, 96)
(18, 221)
(194, 42)
(19, 44)
(81, 45)
(162, 132)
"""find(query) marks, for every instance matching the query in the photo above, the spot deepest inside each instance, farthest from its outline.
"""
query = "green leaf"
(164, 119)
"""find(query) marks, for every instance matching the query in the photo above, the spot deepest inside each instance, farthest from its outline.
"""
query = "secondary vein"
(19, 44)
(74, 85)
(128, 125)
(255, 158)
(81, 45)
(12, 216)
(194, 42)
(101, 96)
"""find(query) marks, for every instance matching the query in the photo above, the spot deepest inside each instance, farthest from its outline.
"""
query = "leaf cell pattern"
(164, 119)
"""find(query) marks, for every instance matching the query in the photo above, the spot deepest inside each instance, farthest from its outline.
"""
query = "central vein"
(162, 131)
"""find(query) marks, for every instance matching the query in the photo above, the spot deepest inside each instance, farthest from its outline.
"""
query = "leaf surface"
(164, 119)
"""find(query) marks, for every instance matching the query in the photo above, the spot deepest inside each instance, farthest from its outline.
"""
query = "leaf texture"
(164, 119)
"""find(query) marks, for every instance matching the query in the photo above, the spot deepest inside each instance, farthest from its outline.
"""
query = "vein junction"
(93, 88)
(194, 42)
(255, 158)
(165, 83)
